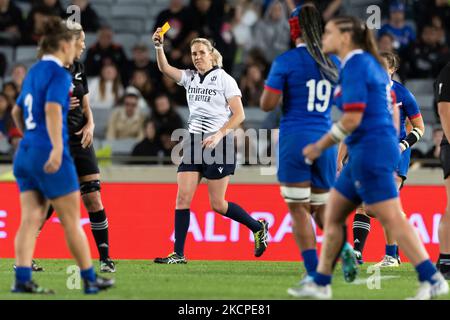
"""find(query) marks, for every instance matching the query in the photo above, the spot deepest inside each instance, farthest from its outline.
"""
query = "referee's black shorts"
(445, 159)
(212, 164)
(85, 159)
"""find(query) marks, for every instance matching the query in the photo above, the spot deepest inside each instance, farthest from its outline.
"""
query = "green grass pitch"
(139, 279)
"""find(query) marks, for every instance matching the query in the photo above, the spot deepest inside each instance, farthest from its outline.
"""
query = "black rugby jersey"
(76, 118)
(442, 87)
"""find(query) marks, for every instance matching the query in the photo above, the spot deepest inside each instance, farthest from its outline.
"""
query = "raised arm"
(163, 65)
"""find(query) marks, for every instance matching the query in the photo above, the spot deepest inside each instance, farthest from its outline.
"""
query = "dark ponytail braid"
(311, 27)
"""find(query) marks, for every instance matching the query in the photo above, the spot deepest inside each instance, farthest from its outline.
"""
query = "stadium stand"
(133, 22)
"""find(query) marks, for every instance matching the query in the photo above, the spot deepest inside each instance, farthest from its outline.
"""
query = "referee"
(215, 108)
(443, 101)
(81, 131)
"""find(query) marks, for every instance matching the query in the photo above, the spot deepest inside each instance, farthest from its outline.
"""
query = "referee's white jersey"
(207, 98)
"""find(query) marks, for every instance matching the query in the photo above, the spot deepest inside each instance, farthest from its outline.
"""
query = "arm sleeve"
(186, 78)
(443, 85)
(411, 106)
(276, 79)
(230, 87)
(354, 87)
(58, 88)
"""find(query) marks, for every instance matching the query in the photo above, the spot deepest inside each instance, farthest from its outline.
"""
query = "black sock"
(99, 227)
(238, 214)
(361, 229)
(182, 218)
(444, 262)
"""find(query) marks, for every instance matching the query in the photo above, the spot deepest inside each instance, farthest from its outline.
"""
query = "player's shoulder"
(77, 67)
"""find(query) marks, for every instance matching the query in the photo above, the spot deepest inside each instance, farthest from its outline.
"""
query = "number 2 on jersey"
(29, 120)
(321, 92)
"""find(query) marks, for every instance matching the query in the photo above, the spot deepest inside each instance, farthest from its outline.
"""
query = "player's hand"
(54, 161)
(87, 133)
(311, 152)
(74, 103)
(158, 40)
(212, 141)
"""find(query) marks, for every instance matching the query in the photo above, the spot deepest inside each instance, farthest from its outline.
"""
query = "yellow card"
(165, 28)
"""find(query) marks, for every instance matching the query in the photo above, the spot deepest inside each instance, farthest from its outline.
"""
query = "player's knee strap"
(319, 199)
(89, 186)
(291, 194)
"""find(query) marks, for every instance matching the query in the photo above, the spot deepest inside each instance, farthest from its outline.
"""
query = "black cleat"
(173, 258)
(261, 242)
(99, 284)
(446, 275)
(107, 266)
(30, 287)
(34, 267)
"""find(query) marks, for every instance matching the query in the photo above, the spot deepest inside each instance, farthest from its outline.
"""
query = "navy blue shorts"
(29, 164)
(292, 167)
(369, 175)
(212, 164)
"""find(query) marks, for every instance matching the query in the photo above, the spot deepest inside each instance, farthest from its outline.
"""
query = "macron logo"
(220, 169)
(78, 76)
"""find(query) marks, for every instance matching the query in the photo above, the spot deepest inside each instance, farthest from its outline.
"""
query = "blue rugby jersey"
(46, 81)
(365, 86)
(307, 96)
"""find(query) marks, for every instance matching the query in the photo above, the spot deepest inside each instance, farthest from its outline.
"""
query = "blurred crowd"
(248, 33)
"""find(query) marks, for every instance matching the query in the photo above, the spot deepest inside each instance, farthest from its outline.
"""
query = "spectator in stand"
(436, 22)
(34, 25)
(212, 22)
(105, 90)
(150, 146)
(3, 64)
(426, 9)
(404, 35)
(11, 92)
(252, 85)
(90, 20)
(142, 103)
(427, 57)
(141, 61)
(126, 121)
(11, 23)
(164, 116)
(105, 51)
(244, 18)
(175, 92)
(5, 116)
(272, 34)
(434, 152)
(54, 6)
(178, 37)
(386, 43)
(18, 74)
(141, 81)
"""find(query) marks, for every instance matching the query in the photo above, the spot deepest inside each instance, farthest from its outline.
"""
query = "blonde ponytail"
(217, 60)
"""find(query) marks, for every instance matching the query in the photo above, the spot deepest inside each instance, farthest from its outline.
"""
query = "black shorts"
(85, 159)
(212, 164)
(444, 156)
